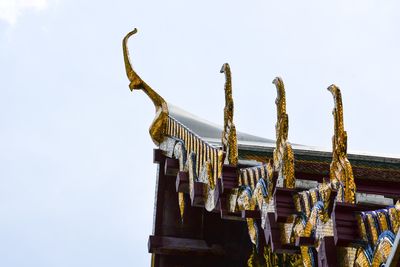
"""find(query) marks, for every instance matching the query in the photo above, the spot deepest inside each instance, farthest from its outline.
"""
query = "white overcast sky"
(76, 173)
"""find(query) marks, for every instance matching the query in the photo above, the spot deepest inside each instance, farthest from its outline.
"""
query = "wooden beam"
(182, 182)
(345, 224)
(159, 158)
(182, 246)
(229, 179)
(305, 241)
(385, 188)
(345, 228)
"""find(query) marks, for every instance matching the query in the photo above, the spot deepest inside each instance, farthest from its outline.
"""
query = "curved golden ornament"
(159, 124)
(341, 172)
(381, 253)
(229, 138)
(254, 259)
(181, 203)
(271, 259)
(179, 152)
(283, 153)
(210, 178)
(377, 229)
(361, 259)
(245, 201)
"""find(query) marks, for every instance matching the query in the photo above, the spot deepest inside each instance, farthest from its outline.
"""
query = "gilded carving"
(341, 172)
(267, 258)
(377, 230)
(180, 154)
(283, 153)
(245, 201)
(261, 196)
(229, 138)
(159, 124)
(383, 248)
(203, 161)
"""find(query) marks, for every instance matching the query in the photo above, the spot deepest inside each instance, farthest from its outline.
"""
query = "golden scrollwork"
(341, 172)
(382, 252)
(252, 197)
(202, 160)
(312, 206)
(229, 138)
(283, 153)
(159, 124)
(377, 229)
(362, 259)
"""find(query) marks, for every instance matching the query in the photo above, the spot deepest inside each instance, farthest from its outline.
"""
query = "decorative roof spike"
(229, 138)
(283, 153)
(159, 124)
(341, 172)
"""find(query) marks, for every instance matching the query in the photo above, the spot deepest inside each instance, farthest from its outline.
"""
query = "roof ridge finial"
(283, 152)
(157, 128)
(229, 137)
(340, 169)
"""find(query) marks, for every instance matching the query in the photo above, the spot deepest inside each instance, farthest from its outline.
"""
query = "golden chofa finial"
(281, 97)
(229, 138)
(159, 124)
(341, 172)
(283, 153)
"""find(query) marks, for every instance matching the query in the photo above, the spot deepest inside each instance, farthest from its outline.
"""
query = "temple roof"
(211, 132)
(305, 200)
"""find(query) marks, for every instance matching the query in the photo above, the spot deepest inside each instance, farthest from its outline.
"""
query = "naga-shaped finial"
(159, 124)
(341, 171)
(283, 153)
(280, 100)
(229, 138)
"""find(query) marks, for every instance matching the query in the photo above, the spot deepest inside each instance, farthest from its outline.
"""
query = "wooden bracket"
(197, 195)
(255, 214)
(182, 182)
(345, 228)
(284, 204)
(229, 179)
(327, 256)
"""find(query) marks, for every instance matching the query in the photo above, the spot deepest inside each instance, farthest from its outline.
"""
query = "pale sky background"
(76, 173)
